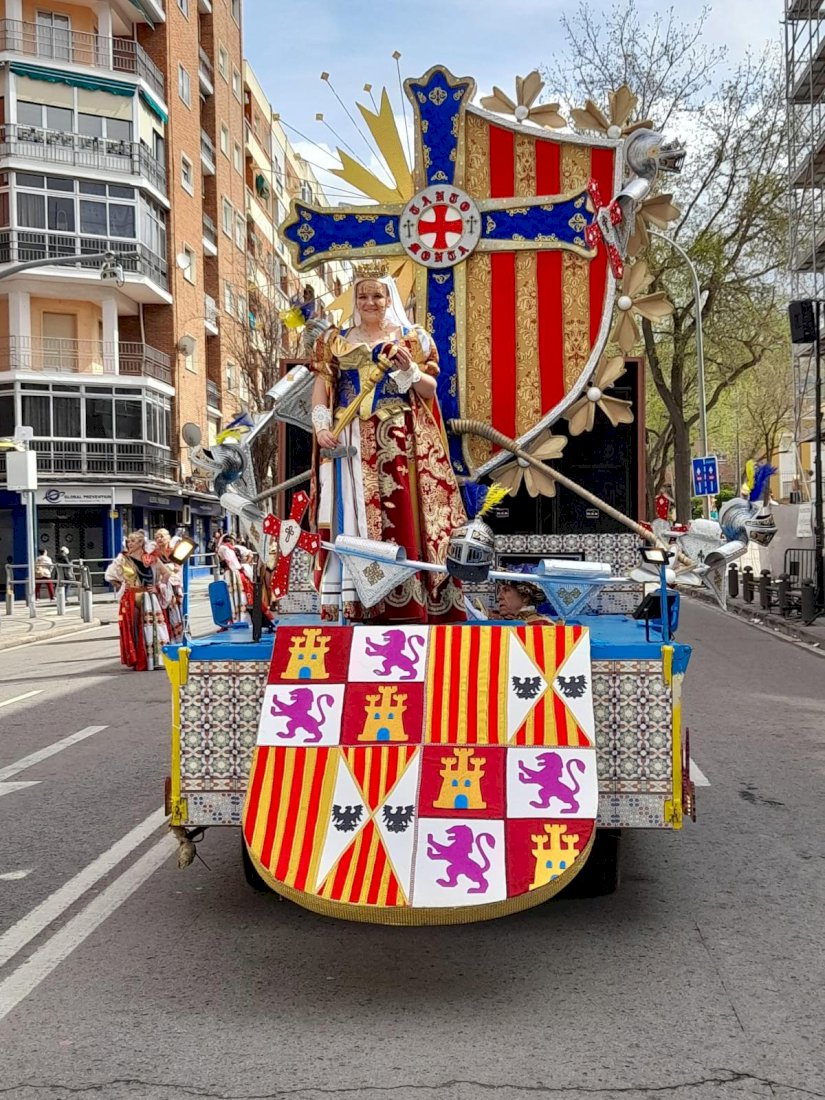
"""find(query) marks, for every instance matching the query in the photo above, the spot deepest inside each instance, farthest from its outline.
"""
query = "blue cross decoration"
(450, 223)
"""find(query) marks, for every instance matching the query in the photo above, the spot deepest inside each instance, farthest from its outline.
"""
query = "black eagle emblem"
(527, 688)
(346, 818)
(398, 818)
(573, 687)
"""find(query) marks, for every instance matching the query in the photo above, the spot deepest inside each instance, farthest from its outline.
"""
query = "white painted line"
(10, 788)
(57, 903)
(20, 698)
(15, 876)
(26, 978)
(50, 750)
(697, 775)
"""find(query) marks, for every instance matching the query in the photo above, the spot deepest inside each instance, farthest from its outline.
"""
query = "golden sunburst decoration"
(622, 104)
(656, 210)
(528, 89)
(545, 447)
(581, 416)
(633, 300)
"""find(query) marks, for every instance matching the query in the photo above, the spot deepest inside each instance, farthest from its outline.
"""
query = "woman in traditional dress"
(231, 573)
(247, 560)
(399, 484)
(170, 591)
(137, 575)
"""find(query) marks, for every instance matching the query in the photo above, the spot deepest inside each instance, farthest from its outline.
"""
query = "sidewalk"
(792, 627)
(19, 629)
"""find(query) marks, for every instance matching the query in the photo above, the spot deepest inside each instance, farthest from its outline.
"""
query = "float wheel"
(253, 879)
(601, 873)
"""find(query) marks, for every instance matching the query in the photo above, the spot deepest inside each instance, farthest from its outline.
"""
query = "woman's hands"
(402, 360)
(326, 440)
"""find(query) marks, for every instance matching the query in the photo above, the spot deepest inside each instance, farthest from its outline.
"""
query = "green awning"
(74, 80)
(154, 107)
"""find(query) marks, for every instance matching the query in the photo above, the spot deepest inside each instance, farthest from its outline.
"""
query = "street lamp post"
(700, 346)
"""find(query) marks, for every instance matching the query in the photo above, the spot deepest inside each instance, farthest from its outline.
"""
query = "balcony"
(210, 315)
(144, 361)
(19, 245)
(120, 55)
(81, 152)
(213, 395)
(87, 357)
(206, 72)
(210, 236)
(103, 456)
(207, 154)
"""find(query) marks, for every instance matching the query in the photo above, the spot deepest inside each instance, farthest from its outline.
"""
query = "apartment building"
(805, 92)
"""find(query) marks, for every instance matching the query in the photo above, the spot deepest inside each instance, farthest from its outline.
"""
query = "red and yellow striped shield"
(424, 775)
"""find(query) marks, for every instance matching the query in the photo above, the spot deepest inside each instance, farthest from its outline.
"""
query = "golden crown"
(372, 269)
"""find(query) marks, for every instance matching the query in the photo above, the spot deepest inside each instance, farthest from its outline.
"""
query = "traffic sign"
(705, 476)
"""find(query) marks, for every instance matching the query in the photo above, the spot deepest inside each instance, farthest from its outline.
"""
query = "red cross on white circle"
(440, 227)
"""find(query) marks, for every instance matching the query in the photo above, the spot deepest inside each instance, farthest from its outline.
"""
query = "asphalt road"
(703, 977)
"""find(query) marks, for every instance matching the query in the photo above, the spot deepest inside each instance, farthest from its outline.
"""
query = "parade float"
(449, 771)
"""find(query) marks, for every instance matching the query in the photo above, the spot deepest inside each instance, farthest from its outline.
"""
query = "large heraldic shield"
(424, 775)
(512, 276)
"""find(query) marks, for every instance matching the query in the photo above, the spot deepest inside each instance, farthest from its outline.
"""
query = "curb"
(32, 638)
(766, 620)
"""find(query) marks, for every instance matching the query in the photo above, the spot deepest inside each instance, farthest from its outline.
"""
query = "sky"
(290, 44)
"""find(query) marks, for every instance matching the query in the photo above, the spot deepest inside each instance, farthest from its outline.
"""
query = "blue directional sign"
(705, 476)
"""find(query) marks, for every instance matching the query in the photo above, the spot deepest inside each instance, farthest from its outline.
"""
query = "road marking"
(697, 775)
(50, 750)
(20, 698)
(10, 788)
(15, 876)
(26, 978)
(57, 903)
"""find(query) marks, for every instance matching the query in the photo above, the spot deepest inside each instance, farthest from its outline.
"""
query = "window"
(230, 375)
(227, 212)
(184, 87)
(236, 84)
(63, 213)
(6, 413)
(235, 8)
(188, 355)
(128, 419)
(223, 63)
(190, 271)
(184, 7)
(228, 298)
(187, 174)
(236, 157)
(224, 139)
(240, 232)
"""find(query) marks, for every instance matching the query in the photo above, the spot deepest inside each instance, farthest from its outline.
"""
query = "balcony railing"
(103, 456)
(210, 231)
(19, 245)
(210, 312)
(205, 68)
(79, 151)
(213, 394)
(121, 55)
(68, 356)
(146, 361)
(208, 153)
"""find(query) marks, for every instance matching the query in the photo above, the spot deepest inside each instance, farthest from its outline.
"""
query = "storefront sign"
(156, 500)
(205, 508)
(74, 497)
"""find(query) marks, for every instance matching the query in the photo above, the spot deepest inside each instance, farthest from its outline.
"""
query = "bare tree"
(733, 223)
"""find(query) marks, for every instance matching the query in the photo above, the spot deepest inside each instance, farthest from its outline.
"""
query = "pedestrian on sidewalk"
(43, 570)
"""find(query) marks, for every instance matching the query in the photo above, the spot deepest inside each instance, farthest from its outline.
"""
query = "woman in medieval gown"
(170, 590)
(399, 484)
(231, 573)
(137, 575)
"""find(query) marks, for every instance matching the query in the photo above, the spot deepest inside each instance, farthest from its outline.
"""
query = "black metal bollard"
(783, 594)
(765, 589)
(747, 584)
(808, 601)
(733, 582)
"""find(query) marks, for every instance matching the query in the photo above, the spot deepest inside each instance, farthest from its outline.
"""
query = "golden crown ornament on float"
(372, 269)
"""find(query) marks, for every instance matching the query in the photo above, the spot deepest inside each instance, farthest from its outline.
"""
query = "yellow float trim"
(673, 809)
(178, 673)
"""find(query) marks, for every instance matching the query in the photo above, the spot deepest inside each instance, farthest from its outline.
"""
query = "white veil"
(396, 314)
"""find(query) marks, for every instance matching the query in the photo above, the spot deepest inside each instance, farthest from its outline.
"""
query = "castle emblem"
(461, 787)
(552, 859)
(385, 715)
(308, 653)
